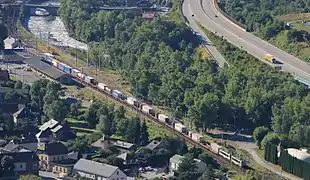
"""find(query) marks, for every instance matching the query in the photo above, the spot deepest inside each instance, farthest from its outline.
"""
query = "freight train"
(144, 108)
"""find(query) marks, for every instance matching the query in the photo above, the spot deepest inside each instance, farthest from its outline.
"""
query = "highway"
(205, 40)
(204, 12)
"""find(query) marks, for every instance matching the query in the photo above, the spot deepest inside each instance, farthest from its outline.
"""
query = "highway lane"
(187, 11)
(205, 13)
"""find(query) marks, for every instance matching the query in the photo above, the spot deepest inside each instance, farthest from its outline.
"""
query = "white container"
(80, 75)
(179, 127)
(107, 89)
(146, 109)
(197, 137)
(131, 100)
(215, 148)
(75, 71)
(163, 118)
(101, 86)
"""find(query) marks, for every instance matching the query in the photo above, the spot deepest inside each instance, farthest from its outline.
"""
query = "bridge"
(53, 8)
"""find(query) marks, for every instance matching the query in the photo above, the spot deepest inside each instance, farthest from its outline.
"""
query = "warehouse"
(42, 67)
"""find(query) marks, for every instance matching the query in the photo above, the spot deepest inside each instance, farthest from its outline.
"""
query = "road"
(206, 42)
(205, 12)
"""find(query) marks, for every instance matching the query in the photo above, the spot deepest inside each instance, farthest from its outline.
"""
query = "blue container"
(48, 59)
(117, 94)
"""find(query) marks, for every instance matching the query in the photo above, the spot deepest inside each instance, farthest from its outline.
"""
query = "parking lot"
(21, 72)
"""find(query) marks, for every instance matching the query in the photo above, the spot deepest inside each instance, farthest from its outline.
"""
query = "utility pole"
(87, 58)
(76, 65)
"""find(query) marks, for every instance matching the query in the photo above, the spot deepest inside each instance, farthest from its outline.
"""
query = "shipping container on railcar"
(180, 127)
(225, 154)
(108, 89)
(117, 94)
(163, 118)
(147, 109)
(75, 72)
(197, 137)
(132, 101)
(215, 148)
(65, 67)
(55, 63)
(48, 57)
(89, 79)
(81, 75)
(101, 86)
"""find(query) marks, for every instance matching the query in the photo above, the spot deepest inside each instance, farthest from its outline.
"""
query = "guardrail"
(217, 7)
(181, 12)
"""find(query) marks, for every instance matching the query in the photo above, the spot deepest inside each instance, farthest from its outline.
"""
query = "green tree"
(7, 165)
(137, 130)
(29, 177)
(208, 174)
(270, 138)
(187, 168)
(144, 134)
(259, 134)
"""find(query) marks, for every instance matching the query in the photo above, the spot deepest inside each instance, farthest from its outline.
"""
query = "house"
(176, 160)
(24, 118)
(96, 170)
(63, 167)
(18, 147)
(51, 152)
(53, 130)
(10, 43)
(155, 145)
(106, 142)
(24, 162)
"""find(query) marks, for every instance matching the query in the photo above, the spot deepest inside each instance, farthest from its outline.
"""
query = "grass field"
(294, 17)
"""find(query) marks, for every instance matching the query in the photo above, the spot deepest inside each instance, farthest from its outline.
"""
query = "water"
(41, 27)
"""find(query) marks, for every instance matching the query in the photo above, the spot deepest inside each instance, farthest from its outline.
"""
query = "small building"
(24, 162)
(96, 170)
(24, 118)
(176, 160)
(53, 130)
(148, 15)
(105, 142)
(11, 43)
(51, 153)
(299, 154)
(155, 145)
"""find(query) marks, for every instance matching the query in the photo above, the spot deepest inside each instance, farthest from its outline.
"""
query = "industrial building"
(36, 64)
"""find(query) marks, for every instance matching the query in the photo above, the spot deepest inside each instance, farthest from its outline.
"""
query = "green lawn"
(300, 25)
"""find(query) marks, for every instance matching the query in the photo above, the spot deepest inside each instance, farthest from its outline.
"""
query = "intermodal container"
(147, 109)
(101, 86)
(163, 118)
(107, 89)
(81, 75)
(197, 137)
(117, 94)
(215, 148)
(48, 57)
(131, 100)
(75, 72)
(67, 69)
(180, 127)
(55, 62)
(89, 79)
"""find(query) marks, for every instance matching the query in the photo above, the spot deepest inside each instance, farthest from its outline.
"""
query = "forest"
(160, 61)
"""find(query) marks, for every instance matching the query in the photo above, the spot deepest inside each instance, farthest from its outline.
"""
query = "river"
(40, 26)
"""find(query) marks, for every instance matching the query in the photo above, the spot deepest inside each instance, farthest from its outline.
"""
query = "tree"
(144, 134)
(208, 174)
(18, 85)
(259, 134)
(29, 177)
(138, 130)
(187, 168)
(7, 165)
(56, 110)
(270, 138)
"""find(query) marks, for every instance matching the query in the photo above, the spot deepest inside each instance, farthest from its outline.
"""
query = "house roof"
(36, 63)
(49, 124)
(22, 156)
(52, 148)
(23, 112)
(177, 159)
(97, 168)
(123, 144)
(123, 156)
(153, 144)
(57, 128)
(45, 133)
(11, 146)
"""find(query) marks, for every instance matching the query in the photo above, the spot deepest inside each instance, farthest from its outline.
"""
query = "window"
(45, 158)
(116, 172)
(56, 168)
(54, 159)
(21, 166)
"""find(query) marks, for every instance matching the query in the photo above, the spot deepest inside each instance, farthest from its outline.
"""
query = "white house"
(99, 171)
(176, 160)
